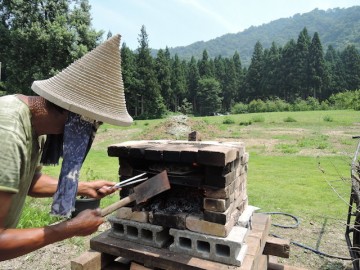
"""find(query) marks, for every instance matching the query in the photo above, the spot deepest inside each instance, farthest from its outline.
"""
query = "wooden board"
(163, 258)
(151, 256)
(277, 247)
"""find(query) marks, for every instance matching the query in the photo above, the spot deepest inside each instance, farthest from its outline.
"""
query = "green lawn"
(285, 177)
(299, 164)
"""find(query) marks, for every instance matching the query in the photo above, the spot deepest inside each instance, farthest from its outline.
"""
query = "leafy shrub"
(239, 108)
(300, 105)
(340, 101)
(281, 105)
(228, 121)
(270, 106)
(245, 123)
(186, 107)
(313, 103)
(289, 119)
(324, 105)
(345, 100)
(257, 106)
(328, 118)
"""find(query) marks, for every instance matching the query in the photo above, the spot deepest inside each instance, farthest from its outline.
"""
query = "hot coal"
(176, 200)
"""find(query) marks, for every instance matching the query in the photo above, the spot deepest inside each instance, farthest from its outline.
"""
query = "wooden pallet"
(110, 253)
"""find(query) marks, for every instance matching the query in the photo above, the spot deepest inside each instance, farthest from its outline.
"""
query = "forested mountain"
(307, 59)
(338, 27)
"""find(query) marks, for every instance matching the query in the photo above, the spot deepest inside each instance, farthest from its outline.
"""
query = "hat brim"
(92, 86)
(124, 119)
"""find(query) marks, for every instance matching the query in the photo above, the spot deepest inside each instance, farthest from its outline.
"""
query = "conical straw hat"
(91, 86)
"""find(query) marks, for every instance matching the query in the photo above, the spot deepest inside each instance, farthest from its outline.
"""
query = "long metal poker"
(129, 180)
(120, 185)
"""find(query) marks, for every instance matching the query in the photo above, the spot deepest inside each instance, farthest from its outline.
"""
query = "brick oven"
(204, 220)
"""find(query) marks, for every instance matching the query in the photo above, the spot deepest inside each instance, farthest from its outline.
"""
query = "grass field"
(299, 164)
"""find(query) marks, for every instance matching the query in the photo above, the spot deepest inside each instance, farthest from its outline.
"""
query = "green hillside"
(338, 27)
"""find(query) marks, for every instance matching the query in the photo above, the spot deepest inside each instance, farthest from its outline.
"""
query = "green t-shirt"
(20, 154)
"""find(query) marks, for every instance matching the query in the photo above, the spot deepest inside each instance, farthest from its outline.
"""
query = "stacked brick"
(207, 178)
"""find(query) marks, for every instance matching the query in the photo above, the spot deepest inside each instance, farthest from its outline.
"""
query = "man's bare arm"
(17, 242)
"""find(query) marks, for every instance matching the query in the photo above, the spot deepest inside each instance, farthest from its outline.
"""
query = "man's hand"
(17, 242)
(96, 189)
(85, 223)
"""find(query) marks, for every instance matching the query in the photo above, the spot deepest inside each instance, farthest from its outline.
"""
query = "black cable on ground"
(284, 214)
(299, 244)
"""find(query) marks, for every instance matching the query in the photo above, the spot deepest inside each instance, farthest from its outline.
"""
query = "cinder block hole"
(132, 232)
(118, 228)
(162, 236)
(222, 250)
(185, 242)
(147, 235)
(203, 246)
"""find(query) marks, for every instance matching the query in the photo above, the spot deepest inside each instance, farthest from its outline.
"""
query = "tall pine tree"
(318, 76)
(301, 74)
(193, 77)
(163, 70)
(151, 101)
(128, 64)
(335, 70)
(178, 82)
(288, 72)
(351, 62)
(254, 74)
(239, 77)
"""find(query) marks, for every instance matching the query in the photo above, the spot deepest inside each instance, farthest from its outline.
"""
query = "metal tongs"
(131, 181)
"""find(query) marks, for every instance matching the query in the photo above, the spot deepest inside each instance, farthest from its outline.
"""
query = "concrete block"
(155, 152)
(128, 213)
(248, 263)
(187, 180)
(194, 136)
(230, 250)
(142, 233)
(198, 224)
(124, 149)
(244, 159)
(220, 193)
(217, 155)
(244, 219)
(216, 205)
(242, 181)
(118, 151)
(240, 146)
(189, 154)
(172, 153)
(220, 181)
(220, 171)
(224, 217)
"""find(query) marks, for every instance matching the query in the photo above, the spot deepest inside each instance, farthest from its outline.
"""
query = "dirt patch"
(104, 138)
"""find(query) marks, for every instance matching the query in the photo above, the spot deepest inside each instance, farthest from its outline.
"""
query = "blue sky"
(175, 23)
